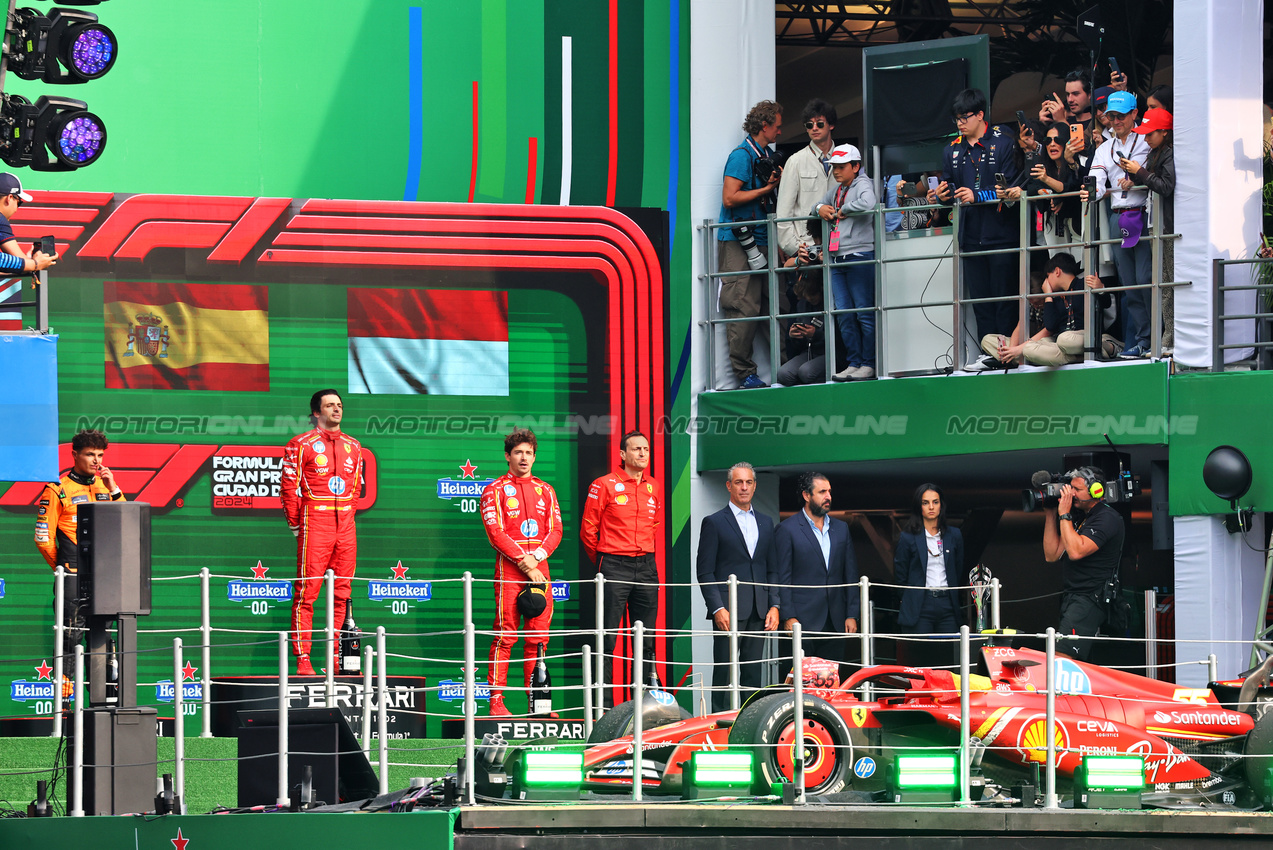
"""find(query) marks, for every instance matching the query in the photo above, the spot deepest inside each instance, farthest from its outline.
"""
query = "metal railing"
(373, 695)
(962, 334)
(1262, 317)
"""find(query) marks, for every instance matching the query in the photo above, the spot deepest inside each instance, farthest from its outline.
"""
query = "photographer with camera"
(1093, 547)
(751, 182)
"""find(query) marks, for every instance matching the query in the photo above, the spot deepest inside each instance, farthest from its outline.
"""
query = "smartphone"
(1023, 123)
(1113, 66)
(46, 245)
(932, 184)
(1090, 186)
(999, 179)
(1076, 132)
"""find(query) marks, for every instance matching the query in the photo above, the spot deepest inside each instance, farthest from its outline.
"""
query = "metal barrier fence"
(960, 304)
(1262, 285)
(592, 660)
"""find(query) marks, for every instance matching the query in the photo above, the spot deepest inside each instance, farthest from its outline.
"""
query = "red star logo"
(400, 572)
(468, 468)
(187, 672)
(259, 571)
(179, 842)
(44, 670)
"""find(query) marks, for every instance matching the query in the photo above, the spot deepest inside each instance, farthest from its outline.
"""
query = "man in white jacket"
(807, 176)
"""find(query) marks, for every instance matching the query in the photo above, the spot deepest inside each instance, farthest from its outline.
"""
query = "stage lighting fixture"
(924, 779)
(53, 134)
(717, 774)
(1109, 782)
(65, 46)
(548, 776)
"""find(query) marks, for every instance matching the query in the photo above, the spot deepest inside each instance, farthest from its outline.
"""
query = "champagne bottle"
(350, 644)
(541, 696)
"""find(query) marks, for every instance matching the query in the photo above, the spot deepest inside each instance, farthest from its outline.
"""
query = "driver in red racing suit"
(322, 475)
(523, 523)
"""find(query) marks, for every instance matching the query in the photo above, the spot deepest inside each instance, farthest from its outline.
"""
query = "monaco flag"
(417, 341)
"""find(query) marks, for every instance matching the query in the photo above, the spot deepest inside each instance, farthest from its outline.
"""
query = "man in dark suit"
(815, 574)
(737, 540)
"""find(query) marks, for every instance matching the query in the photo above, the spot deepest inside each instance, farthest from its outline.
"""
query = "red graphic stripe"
(612, 170)
(66, 232)
(219, 377)
(473, 170)
(428, 314)
(132, 213)
(31, 212)
(532, 167)
(248, 231)
(90, 199)
(169, 234)
(204, 296)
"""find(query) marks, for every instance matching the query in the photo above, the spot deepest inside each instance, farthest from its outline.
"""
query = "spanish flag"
(428, 341)
(187, 336)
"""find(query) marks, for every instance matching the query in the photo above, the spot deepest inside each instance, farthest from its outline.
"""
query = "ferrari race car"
(1196, 749)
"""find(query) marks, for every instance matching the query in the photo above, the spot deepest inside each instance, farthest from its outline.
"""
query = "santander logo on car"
(1200, 718)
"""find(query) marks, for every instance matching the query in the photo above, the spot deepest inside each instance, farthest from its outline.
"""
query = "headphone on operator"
(1092, 478)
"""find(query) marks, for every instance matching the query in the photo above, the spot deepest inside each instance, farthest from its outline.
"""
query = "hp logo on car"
(864, 767)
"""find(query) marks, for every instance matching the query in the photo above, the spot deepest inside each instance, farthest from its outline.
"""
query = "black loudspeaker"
(113, 544)
(318, 737)
(120, 760)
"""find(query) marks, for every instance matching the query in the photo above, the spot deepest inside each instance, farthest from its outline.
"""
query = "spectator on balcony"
(1076, 107)
(1159, 97)
(1061, 218)
(1060, 340)
(806, 343)
(807, 175)
(969, 166)
(848, 207)
(1158, 174)
(992, 344)
(1126, 215)
(747, 195)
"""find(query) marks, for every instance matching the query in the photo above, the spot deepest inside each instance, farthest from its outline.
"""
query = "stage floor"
(677, 826)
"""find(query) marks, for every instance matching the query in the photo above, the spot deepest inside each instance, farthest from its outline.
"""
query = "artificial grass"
(211, 767)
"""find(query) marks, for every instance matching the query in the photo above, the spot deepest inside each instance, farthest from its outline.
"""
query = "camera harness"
(761, 153)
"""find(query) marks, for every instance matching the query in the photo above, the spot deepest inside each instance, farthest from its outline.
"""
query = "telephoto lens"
(747, 241)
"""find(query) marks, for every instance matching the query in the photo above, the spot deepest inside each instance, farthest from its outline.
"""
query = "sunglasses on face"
(809, 125)
(1054, 140)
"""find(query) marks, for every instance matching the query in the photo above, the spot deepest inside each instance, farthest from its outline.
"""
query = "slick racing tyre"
(766, 727)
(617, 722)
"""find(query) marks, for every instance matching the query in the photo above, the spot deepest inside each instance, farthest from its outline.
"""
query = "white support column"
(1219, 164)
(1218, 582)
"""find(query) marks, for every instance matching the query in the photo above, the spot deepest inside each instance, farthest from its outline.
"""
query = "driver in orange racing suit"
(523, 523)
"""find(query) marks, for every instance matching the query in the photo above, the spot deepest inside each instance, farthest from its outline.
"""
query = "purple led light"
(92, 51)
(81, 140)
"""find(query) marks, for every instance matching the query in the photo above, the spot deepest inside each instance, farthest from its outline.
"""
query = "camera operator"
(1093, 547)
(750, 185)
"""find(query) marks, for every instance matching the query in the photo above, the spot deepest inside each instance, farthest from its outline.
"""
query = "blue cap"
(1121, 101)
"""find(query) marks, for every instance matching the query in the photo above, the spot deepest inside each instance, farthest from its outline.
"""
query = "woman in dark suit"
(929, 561)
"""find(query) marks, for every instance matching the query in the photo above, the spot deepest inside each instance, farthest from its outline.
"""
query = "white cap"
(845, 153)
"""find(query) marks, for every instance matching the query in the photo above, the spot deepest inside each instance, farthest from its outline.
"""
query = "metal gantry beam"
(828, 24)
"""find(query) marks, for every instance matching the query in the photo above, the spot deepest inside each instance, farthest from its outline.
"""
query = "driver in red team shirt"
(523, 523)
(322, 475)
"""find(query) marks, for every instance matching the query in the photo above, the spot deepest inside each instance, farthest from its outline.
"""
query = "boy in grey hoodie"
(848, 205)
